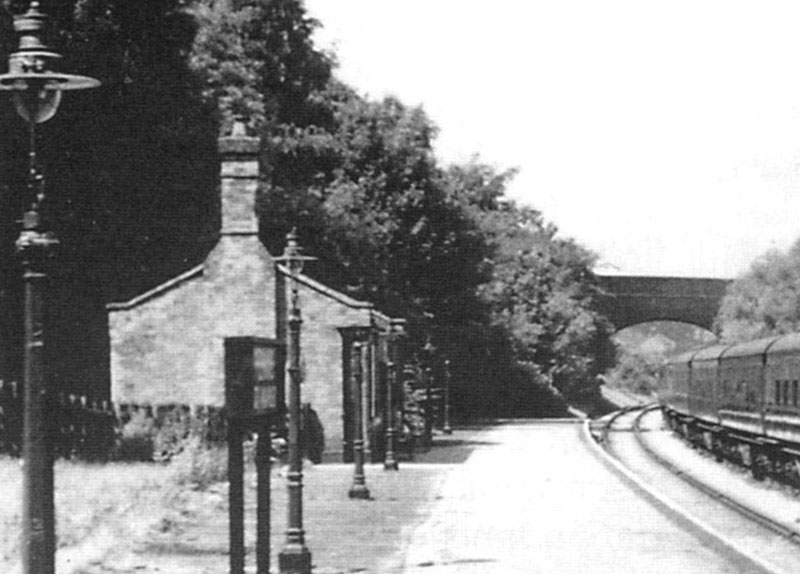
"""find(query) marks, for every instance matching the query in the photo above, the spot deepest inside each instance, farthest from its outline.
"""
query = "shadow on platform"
(449, 449)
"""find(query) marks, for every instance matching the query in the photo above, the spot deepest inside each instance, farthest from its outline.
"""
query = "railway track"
(627, 439)
(754, 514)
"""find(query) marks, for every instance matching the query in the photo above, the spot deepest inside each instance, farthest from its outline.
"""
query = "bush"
(173, 428)
(135, 441)
(199, 465)
(637, 373)
(174, 436)
(529, 395)
(145, 437)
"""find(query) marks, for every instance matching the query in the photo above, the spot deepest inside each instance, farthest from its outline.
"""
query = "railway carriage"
(782, 373)
(677, 374)
(742, 400)
(704, 368)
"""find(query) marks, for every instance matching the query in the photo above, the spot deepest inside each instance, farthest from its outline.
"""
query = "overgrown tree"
(636, 372)
(257, 61)
(763, 301)
(129, 168)
(541, 287)
(373, 205)
(132, 170)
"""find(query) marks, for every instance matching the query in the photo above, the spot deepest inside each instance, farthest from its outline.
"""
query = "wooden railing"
(90, 429)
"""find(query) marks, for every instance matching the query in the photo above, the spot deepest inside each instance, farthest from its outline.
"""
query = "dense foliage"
(130, 170)
(643, 349)
(132, 167)
(639, 373)
(375, 209)
(765, 300)
(540, 293)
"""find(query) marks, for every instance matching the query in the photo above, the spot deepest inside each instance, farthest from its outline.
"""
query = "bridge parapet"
(632, 299)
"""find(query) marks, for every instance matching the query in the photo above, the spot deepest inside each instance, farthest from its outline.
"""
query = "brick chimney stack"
(239, 171)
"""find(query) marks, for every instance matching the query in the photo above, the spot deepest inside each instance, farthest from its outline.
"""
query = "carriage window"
(794, 392)
(777, 392)
(785, 392)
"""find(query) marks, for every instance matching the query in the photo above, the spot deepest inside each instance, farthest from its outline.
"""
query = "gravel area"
(777, 501)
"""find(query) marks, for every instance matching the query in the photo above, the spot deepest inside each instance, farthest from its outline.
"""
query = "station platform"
(535, 498)
(515, 496)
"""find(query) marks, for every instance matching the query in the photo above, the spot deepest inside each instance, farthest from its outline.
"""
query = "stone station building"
(167, 344)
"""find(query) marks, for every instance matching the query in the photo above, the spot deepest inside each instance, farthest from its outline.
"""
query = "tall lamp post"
(393, 358)
(294, 558)
(447, 429)
(428, 354)
(359, 488)
(36, 92)
(390, 462)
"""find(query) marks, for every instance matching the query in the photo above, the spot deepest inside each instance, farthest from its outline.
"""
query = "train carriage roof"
(681, 359)
(750, 348)
(768, 345)
(711, 353)
(785, 344)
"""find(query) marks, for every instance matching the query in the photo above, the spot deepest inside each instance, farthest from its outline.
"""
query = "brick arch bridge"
(629, 300)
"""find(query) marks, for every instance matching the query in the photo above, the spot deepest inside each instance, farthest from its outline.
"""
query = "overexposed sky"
(664, 136)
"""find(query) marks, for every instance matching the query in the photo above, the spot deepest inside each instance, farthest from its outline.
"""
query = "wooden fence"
(90, 429)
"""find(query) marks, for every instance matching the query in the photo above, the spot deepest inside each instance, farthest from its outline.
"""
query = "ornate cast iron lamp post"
(359, 488)
(390, 461)
(428, 354)
(447, 429)
(295, 558)
(36, 92)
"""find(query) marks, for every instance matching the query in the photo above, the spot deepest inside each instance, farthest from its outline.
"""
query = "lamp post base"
(294, 559)
(359, 491)
(447, 430)
(391, 465)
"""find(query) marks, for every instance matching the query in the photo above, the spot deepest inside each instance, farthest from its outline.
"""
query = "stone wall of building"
(167, 345)
(325, 312)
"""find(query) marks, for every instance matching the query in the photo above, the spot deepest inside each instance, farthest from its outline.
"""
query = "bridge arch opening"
(642, 349)
(662, 338)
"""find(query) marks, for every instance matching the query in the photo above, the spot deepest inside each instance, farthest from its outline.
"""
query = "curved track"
(770, 545)
(754, 514)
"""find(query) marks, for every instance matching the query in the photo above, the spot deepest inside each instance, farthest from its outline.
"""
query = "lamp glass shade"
(37, 103)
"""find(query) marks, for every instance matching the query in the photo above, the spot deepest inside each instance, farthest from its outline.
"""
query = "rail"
(709, 536)
(781, 529)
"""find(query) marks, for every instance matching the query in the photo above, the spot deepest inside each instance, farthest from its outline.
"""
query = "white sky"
(664, 136)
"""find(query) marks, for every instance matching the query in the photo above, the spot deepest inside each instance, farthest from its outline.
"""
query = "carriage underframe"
(763, 456)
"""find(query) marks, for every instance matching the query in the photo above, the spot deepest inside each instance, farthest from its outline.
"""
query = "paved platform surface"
(533, 499)
(525, 497)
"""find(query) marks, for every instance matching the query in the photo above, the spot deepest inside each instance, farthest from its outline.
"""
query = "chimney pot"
(239, 173)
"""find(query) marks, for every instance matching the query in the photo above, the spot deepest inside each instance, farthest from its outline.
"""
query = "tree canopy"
(133, 171)
(540, 292)
(371, 200)
(765, 300)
